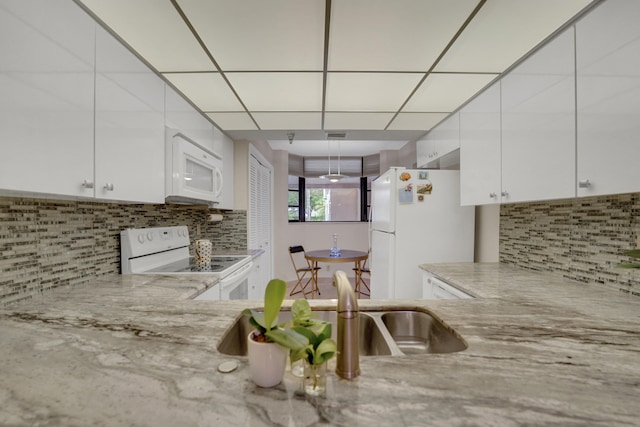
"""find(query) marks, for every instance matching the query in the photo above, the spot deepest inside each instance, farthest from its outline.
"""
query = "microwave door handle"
(218, 181)
(233, 277)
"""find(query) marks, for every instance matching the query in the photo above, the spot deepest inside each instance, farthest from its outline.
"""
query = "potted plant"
(320, 347)
(267, 345)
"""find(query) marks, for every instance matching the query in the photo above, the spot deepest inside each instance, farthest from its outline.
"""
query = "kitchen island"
(136, 350)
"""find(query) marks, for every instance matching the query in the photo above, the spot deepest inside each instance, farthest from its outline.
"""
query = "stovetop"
(218, 265)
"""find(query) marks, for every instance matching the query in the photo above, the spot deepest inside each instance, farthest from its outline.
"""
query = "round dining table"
(346, 255)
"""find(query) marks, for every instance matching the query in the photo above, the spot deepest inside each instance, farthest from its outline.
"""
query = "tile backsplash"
(49, 243)
(581, 239)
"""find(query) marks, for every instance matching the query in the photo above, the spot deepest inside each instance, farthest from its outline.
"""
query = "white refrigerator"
(416, 218)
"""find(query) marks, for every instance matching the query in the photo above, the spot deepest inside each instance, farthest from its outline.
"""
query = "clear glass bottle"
(334, 251)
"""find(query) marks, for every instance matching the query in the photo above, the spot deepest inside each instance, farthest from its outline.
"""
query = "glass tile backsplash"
(46, 243)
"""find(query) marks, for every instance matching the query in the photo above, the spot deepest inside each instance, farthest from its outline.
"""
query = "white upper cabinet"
(46, 97)
(182, 116)
(608, 101)
(538, 124)
(129, 125)
(439, 142)
(480, 149)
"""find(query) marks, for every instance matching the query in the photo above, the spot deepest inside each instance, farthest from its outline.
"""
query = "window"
(321, 200)
(317, 199)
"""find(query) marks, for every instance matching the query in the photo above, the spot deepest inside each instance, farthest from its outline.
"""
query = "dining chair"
(364, 269)
(304, 270)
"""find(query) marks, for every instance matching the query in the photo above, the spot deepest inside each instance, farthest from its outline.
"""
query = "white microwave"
(193, 173)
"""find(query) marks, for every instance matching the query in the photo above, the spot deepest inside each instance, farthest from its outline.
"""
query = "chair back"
(297, 253)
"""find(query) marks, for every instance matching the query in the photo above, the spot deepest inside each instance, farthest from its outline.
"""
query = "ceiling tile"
(504, 31)
(399, 35)
(279, 91)
(155, 30)
(284, 120)
(208, 91)
(445, 92)
(416, 121)
(361, 121)
(233, 121)
(369, 91)
(271, 35)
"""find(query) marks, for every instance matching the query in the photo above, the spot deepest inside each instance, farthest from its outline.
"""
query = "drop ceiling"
(380, 70)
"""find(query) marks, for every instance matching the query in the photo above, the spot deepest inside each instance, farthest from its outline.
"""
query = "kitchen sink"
(382, 333)
(419, 332)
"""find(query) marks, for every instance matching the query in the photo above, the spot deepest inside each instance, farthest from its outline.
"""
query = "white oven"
(165, 251)
(193, 174)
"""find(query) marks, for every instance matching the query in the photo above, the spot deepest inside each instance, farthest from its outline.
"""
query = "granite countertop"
(135, 350)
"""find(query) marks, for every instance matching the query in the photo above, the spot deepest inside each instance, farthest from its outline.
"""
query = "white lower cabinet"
(434, 288)
(608, 102)
(46, 97)
(129, 126)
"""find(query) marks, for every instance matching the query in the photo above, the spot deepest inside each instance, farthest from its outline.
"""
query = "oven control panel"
(136, 242)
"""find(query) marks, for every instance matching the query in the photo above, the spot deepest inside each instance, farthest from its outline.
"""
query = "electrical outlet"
(197, 230)
(328, 267)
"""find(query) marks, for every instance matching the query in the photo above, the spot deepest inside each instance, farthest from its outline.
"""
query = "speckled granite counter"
(134, 350)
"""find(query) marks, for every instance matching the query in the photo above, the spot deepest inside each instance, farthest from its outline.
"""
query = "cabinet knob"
(505, 194)
(108, 186)
(492, 195)
(87, 184)
(584, 183)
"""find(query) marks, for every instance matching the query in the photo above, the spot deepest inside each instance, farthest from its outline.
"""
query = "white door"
(259, 221)
(382, 265)
(383, 202)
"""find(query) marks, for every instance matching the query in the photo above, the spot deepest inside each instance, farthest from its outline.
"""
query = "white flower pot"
(267, 362)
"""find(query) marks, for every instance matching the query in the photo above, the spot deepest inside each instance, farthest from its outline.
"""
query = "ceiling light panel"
(155, 30)
(284, 120)
(399, 35)
(260, 35)
(504, 31)
(233, 121)
(369, 91)
(360, 121)
(445, 92)
(208, 91)
(279, 91)
(416, 121)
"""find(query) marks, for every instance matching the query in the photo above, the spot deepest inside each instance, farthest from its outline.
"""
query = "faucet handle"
(347, 301)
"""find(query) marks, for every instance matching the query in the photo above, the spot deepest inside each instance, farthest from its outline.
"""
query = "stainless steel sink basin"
(372, 342)
(382, 333)
(419, 332)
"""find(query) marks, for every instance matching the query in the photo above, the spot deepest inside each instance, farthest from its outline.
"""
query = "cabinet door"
(440, 141)
(480, 149)
(46, 97)
(129, 134)
(425, 150)
(181, 115)
(608, 99)
(538, 124)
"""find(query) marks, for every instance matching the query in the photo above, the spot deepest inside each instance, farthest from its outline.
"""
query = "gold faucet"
(348, 358)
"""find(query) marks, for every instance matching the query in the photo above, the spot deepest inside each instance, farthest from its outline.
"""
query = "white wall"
(487, 233)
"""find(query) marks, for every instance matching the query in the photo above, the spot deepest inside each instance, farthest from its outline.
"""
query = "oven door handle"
(237, 275)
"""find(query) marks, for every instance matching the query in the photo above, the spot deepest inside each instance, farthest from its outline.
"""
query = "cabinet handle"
(505, 194)
(584, 183)
(108, 186)
(492, 195)
(87, 184)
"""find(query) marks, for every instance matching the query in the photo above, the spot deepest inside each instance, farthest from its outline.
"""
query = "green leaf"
(628, 265)
(311, 337)
(289, 339)
(634, 253)
(301, 312)
(273, 297)
(325, 351)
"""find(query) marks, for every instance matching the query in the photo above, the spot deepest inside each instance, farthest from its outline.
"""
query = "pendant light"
(333, 177)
